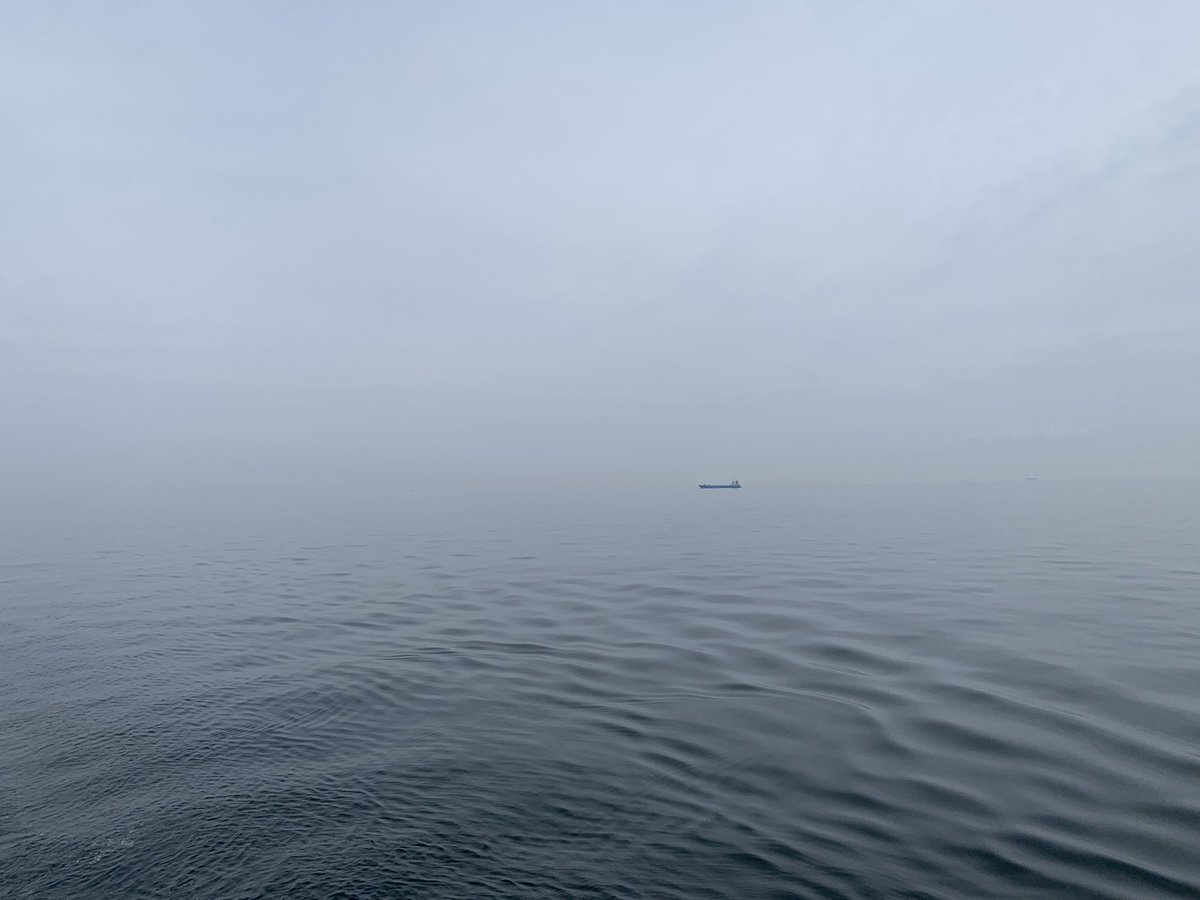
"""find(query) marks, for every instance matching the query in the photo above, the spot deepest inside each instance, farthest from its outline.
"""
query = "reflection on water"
(855, 692)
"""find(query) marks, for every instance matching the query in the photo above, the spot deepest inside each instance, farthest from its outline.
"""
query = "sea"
(906, 691)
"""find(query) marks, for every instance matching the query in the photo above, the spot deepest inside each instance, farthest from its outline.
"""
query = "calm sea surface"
(968, 692)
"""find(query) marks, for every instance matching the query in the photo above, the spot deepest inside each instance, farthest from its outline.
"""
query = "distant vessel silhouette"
(733, 484)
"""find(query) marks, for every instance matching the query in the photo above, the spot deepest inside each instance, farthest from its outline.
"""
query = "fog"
(299, 248)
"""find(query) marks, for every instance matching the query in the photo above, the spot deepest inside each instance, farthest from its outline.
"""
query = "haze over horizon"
(290, 247)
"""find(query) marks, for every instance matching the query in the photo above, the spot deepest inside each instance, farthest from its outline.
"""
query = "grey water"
(919, 691)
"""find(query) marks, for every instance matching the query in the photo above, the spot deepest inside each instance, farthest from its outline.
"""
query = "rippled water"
(850, 692)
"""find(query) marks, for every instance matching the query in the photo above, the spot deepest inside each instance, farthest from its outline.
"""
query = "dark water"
(857, 692)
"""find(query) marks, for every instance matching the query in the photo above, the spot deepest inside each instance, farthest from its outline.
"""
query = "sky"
(298, 247)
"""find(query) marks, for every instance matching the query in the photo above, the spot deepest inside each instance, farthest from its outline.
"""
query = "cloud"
(834, 242)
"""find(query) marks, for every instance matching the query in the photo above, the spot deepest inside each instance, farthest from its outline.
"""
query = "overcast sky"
(297, 244)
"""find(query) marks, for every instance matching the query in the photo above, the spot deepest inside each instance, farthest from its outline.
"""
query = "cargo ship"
(733, 484)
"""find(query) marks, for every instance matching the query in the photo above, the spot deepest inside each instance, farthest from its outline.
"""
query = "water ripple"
(838, 697)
